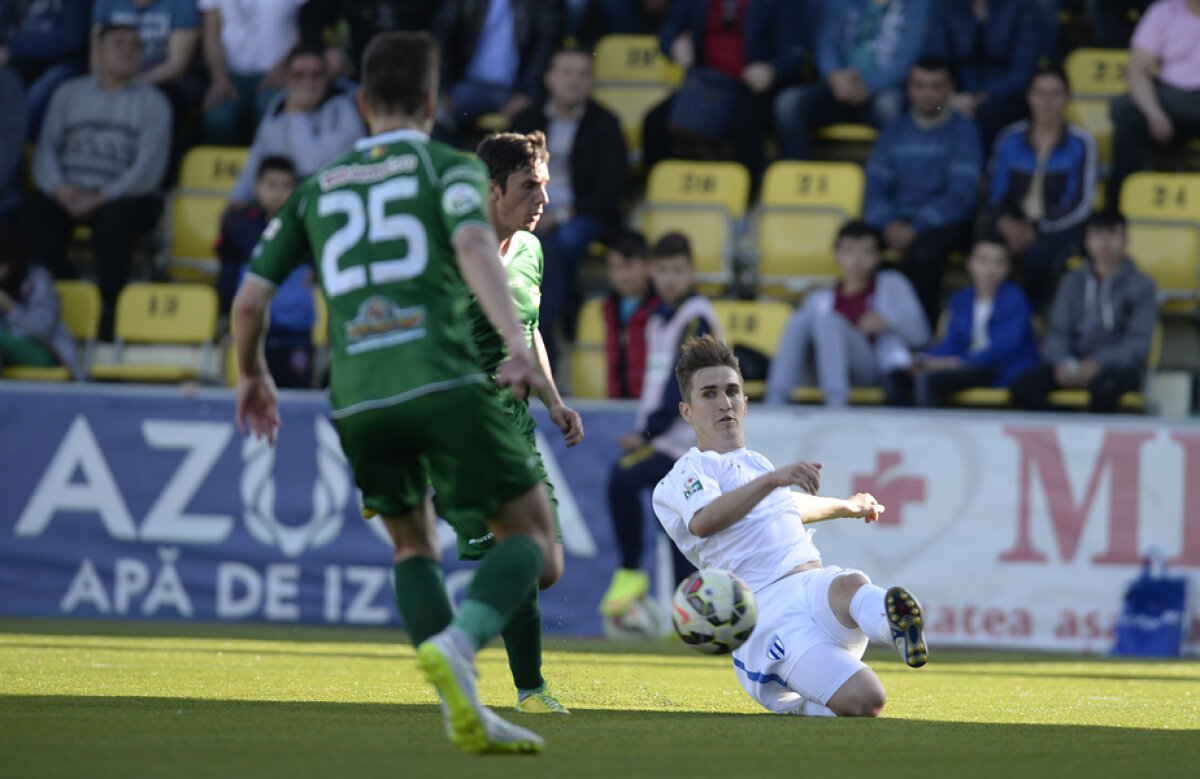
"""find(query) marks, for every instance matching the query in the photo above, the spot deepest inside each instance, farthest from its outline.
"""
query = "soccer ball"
(641, 622)
(714, 611)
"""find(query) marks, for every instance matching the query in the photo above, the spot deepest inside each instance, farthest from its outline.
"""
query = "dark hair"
(105, 29)
(306, 49)
(934, 65)
(506, 153)
(566, 50)
(277, 163)
(14, 253)
(1050, 69)
(670, 245)
(628, 244)
(857, 228)
(1105, 220)
(399, 70)
(992, 238)
(702, 352)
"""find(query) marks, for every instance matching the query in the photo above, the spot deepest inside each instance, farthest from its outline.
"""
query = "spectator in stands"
(860, 331)
(1112, 19)
(588, 160)
(992, 47)
(32, 332)
(660, 435)
(627, 308)
(989, 336)
(46, 43)
(1043, 184)
(1100, 327)
(289, 346)
(746, 50)
(633, 17)
(100, 159)
(493, 56)
(864, 50)
(1163, 104)
(12, 142)
(922, 181)
(310, 122)
(245, 49)
(320, 20)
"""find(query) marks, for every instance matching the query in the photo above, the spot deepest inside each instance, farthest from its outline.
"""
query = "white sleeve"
(691, 485)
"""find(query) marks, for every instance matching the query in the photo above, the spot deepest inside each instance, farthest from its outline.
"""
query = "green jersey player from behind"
(397, 226)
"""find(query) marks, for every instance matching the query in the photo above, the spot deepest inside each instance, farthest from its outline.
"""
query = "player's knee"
(861, 696)
(842, 589)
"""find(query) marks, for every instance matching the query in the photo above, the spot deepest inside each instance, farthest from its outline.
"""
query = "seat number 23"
(371, 219)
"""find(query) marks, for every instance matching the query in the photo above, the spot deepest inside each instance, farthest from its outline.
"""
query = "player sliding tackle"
(728, 507)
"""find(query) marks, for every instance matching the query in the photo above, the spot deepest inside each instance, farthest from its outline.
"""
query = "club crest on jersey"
(776, 650)
(460, 199)
(691, 487)
(380, 322)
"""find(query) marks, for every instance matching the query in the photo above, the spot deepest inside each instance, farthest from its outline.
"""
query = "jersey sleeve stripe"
(423, 153)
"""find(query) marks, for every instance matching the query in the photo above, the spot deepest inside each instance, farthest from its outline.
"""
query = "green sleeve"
(462, 197)
(284, 244)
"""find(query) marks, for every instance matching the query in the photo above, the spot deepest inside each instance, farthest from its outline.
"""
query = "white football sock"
(814, 709)
(868, 609)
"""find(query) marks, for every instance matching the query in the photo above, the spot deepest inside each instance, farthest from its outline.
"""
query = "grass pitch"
(134, 699)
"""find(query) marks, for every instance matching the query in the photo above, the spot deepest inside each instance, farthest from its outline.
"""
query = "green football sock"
(421, 597)
(523, 642)
(499, 589)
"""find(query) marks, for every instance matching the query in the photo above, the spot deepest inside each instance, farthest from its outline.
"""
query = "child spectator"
(627, 308)
(31, 328)
(289, 340)
(860, 330)
(989, 337)
(1043, 183)
(1101, 326)
(660, 435)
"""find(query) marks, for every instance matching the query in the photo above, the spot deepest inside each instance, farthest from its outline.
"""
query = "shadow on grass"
(125, 736)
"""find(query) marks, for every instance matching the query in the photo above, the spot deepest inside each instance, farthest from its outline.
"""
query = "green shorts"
(459, 440)
(474, 538)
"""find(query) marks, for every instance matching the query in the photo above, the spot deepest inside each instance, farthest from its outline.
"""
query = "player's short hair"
(629, 244)
(672, 245)
(275, 163)
(506, 153)
(857, 228)
(399, 70)
(1110, 220)
(703, 352)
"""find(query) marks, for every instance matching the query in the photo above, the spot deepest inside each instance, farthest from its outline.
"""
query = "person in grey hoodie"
(1101, 325)
(32, 332)
(861, 330)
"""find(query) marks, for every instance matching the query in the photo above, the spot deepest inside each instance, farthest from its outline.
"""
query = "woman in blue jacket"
(989, 337)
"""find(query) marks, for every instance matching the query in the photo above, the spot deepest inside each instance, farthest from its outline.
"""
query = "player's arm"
(257, 404)
(567, 419)
(479, 262)
(731, 507)
(815, 508)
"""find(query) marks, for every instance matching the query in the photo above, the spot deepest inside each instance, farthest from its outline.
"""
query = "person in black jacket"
(588, 160)
(363, 18)
(493, 55)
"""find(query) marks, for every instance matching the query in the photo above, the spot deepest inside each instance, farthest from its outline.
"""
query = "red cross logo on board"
(892, 490)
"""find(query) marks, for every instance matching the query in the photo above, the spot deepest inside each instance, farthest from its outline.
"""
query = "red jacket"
(626, 347)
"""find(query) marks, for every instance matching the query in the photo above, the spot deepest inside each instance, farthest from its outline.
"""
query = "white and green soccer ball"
(714, 611)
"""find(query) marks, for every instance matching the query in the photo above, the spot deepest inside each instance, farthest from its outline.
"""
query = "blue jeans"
(473, 99)
(223, 122)
(799, 109)
(564, 249)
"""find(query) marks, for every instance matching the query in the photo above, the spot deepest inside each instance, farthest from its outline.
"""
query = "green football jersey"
(523, 266)
(380, 223)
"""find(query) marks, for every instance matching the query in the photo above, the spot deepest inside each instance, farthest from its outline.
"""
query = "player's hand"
(569, 422)
(805, 475)
(257, 409)
(864, 505)
(520, 371)
(631, 441)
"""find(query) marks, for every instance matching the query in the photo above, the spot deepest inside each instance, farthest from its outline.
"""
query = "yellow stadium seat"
(1171, 197)
(1163, 210)
(633, 58)
(631, 104)
(700, 200)
(848, 133)
(81, 313)
(165, 314)
(859, 396)
(212, 168)
(320, 328)
(1092, 115)
(803, 205)
(755, 324)
(589, 358)
(981, 397)
(195, 227)
(1130, 401)
(1097, 72)
(492, 123)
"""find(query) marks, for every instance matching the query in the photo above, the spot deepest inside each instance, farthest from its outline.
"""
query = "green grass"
(135, 699)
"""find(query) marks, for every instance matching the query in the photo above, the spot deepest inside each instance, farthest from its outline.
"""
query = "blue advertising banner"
(141, 503)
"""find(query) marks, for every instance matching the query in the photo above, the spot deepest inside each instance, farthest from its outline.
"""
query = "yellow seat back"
(709, 235)
(1092, 115)
(174, 313)
(633, 58)
(212, 168)
(631, 104)
(589, 358)
(757, 324)
(1169, 254)
(724, 184)
(1097, 72)
(1161, 196)
(80, 308)
(195, 227)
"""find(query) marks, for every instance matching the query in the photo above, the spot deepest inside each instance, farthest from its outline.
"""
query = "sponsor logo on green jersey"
(380, 322)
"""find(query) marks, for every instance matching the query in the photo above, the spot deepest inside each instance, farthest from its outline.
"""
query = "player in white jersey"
(728, 507)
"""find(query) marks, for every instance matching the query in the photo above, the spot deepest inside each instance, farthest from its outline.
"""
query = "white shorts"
(799, 650)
